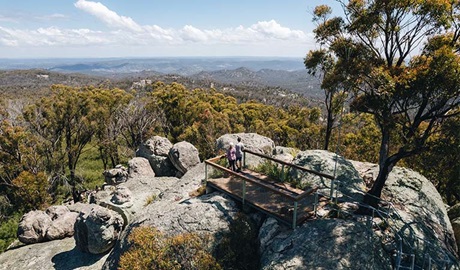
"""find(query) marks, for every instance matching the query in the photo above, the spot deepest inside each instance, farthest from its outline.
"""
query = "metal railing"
(406, 250)
(286, 194)
(405, 247)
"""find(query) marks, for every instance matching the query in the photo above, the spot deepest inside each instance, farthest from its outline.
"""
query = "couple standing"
(235, 155)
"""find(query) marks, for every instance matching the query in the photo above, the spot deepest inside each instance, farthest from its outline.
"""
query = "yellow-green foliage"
(150, 199)
(198, 192)
(152, 249)
(31, 190)
(201, 116)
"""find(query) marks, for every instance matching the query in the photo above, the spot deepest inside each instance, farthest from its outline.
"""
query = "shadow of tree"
(326, 244)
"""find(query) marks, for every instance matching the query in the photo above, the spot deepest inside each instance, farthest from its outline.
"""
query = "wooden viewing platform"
(287, 204)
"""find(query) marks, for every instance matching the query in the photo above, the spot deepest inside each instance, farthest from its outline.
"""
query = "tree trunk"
(372, 198)
(386, 164)
(330, 122)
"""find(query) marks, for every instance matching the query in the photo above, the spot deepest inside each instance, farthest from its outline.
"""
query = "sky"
(156, 28)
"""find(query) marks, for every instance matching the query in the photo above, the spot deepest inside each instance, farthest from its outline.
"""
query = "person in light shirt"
(239, 147)
(231, 156)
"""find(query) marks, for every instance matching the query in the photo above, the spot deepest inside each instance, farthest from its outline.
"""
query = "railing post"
(316, 204)
(412, 265)
(332, 189)
(205, 172)
(244, 159)
(244, 190)
(399, 253)
(282, 173)
(294, 216)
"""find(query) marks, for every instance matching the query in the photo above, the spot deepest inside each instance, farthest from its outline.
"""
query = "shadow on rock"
(73, 259)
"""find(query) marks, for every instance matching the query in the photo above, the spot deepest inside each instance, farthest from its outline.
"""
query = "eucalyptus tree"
(403, 67)
(325, 64)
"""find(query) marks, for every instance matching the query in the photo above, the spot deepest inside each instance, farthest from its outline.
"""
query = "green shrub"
(152, 249)
(8, 230)
(280, 173)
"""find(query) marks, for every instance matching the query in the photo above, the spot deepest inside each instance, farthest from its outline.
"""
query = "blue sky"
(155, 28)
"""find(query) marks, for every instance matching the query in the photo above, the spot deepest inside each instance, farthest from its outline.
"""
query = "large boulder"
(57, 222)
(321, 244)
(347, 178)
(421, 216)
(184, 156)
(158, 146)
(156, 151)
(251, 141)
(207, 215)
(33, 226)
(63, 221)
(97, 232)
(140, 167)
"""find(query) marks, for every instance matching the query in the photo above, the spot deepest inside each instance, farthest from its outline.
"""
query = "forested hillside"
(61, 142)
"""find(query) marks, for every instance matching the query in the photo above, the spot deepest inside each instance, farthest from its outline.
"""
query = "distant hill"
(37, 81)
(297, 81)
(184, 66)
(243, 77)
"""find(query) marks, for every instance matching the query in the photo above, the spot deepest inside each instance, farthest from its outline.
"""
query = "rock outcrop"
(422, 215)
(340, 241)
(140, 167)
(251, 141)
(346, 177)
(184, 156)
(57, 254)
(57, 222)
(96, 232)
(156, 151)
(322, 244)
(33, 227)
(121, 195)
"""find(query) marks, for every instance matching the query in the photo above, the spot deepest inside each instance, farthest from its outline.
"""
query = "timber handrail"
(254, 181)
(261, 183)
(290, 164)
(290, 194)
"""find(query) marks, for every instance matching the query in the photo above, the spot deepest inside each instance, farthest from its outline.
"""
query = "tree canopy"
(401, 61)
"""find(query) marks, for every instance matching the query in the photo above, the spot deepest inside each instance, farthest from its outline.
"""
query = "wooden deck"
(283, 202)
(272, 198)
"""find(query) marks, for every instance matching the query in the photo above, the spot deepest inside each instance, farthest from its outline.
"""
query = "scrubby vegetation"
(152, 249)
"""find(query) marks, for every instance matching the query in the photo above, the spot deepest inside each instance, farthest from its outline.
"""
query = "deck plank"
(270, 202)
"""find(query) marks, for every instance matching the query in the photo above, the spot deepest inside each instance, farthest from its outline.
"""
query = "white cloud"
(52, 17)
(191, 33)
(272, 29)
(127, 34)
(109, 17)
